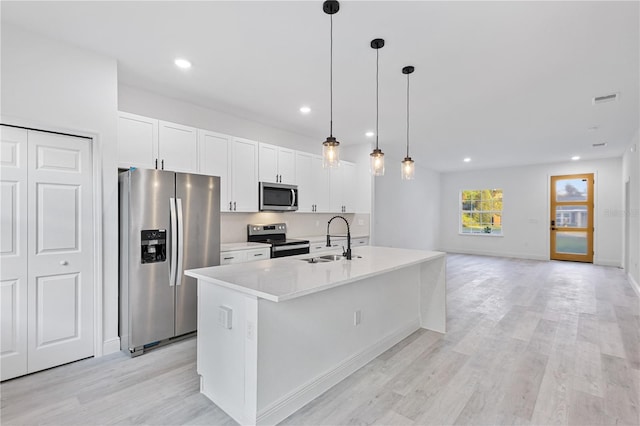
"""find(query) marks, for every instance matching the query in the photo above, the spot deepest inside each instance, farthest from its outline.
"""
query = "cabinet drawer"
(236, 256)
(258, 254)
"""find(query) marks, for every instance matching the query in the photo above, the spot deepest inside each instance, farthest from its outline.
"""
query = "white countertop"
(242, 246)
(286, 278)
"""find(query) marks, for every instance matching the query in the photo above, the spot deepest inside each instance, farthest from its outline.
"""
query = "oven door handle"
(290, 247)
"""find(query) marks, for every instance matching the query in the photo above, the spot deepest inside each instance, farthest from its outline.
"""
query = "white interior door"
(60, 214)
(13, 252)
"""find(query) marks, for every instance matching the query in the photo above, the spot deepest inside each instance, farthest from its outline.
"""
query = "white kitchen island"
(275, 334)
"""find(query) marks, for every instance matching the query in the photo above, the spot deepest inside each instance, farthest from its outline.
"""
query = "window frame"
(461, 213)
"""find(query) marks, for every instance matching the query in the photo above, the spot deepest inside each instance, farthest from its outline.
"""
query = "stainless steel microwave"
(278, 197)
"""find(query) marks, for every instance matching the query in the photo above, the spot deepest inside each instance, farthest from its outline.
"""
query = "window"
(481, 211)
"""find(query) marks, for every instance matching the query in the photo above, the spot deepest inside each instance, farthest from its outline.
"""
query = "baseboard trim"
(607, 262)
(306, 393)
(528, 256)
(634, 284)
(111, 346)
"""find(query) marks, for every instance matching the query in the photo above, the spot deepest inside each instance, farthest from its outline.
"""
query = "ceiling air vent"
(599, 145)
(606, 98)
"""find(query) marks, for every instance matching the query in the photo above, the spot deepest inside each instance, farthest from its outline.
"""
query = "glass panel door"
(572, 218)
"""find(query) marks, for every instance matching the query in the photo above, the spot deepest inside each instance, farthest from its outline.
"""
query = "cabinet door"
(214, 161)
(13, 252)
(336, 189)
(287, 166)
(304, 175)
(268, 159)
(177, 147)
(137, 141)
(348, 187)
(244, 175)
(320, 184)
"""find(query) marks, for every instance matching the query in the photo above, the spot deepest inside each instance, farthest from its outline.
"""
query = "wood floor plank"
(528, 342)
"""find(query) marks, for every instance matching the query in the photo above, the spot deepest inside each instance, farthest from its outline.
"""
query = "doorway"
(571, 217)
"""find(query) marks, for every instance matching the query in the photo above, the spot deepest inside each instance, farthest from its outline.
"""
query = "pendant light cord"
(331, 82)
(377, 88)
(407, 115)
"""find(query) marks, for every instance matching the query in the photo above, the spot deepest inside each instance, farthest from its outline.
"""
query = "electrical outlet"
(317, 223)
(251, 330)
(360, 222)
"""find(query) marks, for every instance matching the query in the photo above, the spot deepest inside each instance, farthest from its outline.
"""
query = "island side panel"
(433, 295)
(309, 344)
(226, 358)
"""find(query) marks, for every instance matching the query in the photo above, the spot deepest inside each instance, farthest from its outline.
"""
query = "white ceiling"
(505, 83)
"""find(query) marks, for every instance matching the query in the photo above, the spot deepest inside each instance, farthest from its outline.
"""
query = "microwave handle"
(293, 197)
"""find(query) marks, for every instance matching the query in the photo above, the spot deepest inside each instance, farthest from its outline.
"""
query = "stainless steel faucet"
(346, 253)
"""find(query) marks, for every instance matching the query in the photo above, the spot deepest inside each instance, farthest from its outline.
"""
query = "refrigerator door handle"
(180, 261)
(174, 243)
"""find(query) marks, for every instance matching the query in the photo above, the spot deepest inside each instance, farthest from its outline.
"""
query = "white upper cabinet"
(177, 147)
(342, 188)
(244, 176)
(215, 150)
(137, 141)
(148, 143)
(313, 183)
(277, 164)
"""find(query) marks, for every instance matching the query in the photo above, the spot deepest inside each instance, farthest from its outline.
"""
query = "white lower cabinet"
(240, 256)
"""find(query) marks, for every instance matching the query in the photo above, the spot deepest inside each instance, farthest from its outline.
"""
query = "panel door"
(321, 184)
(137, 141)
(60, 283)
(13, 252)
(304, 171)
(287, 166)
(268, 163)
(177, 147)
(197, 196)
(244, 175)
(572, 217)
(214, 161)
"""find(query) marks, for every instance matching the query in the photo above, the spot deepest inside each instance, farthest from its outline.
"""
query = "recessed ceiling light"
(575, 157)
(466, 160)
(182, 63)
(369, 134)
(305, 109)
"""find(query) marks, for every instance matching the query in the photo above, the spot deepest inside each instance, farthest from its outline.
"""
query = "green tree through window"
(481, 211)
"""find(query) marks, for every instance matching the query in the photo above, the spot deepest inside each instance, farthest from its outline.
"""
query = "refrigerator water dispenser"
(153, 245)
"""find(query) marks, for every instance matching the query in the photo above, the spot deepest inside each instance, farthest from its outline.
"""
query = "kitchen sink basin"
(315, 260)
(332, 257)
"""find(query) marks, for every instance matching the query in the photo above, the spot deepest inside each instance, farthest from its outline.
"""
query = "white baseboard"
(634, 284)
(298, 398)
(111, 346)
(528, 256)
(607, 262)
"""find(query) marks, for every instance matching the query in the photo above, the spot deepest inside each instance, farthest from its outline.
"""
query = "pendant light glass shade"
(408, 169)
(377, 156)
(330, 153)
(377, 162)
(331, 147)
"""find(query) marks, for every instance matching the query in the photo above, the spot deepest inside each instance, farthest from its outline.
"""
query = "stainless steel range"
(276, 235)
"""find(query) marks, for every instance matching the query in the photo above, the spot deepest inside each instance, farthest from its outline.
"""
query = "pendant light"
(330, 147)
(377, 157)
(408, 169)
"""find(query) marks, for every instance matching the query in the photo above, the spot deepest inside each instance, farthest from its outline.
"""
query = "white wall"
(526, 210)
(53, 86)
(631, 211)
(406, 213)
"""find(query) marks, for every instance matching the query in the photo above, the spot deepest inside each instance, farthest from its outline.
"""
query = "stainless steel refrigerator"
(169, 222)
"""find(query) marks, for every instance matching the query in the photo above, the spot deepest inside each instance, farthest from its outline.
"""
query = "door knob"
(64, 262)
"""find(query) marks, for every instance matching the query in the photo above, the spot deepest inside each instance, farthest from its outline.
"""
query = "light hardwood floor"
(528, 342)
